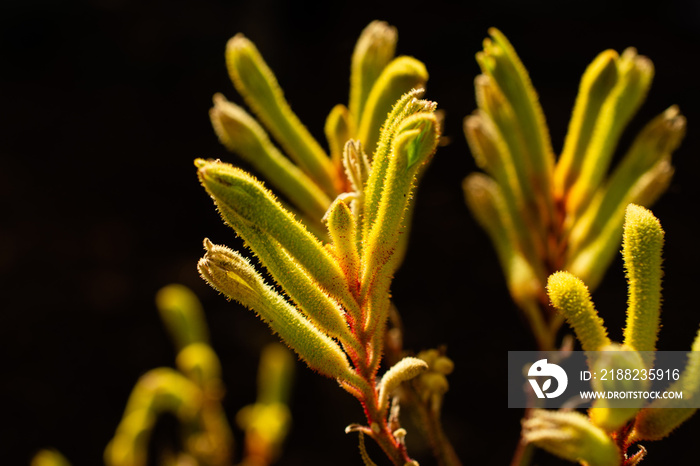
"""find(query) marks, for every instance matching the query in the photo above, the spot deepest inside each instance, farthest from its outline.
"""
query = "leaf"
(546, 385)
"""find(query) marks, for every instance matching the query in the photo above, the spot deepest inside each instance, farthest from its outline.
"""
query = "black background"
(104, 107)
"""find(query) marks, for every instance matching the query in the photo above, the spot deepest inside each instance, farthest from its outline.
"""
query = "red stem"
(378, 427)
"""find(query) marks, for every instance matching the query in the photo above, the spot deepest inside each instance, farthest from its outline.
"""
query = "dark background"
(103, 107)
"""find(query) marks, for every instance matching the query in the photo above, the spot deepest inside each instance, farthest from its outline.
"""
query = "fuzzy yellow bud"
(182, 314)
(571, 297)
(609, 418)
(404, 370)
(373, 51)
(257, 84)
(571, 436)
(641, 249)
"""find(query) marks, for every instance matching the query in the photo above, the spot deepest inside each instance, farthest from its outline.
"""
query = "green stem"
(544, 335)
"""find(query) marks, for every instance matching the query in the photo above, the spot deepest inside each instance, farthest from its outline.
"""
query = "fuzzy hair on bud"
(404, 370)
(571, 297)
(571, 436)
